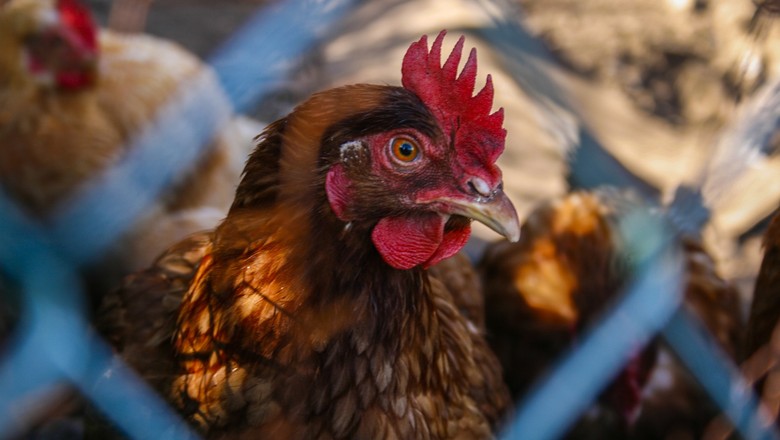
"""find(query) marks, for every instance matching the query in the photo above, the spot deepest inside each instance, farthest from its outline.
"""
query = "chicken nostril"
(480, 186)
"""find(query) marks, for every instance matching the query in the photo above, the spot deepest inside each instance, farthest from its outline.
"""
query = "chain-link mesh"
(44, 262)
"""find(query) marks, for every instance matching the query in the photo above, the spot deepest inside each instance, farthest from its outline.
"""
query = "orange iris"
(405, 149)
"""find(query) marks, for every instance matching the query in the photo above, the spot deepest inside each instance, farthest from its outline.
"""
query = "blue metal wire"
(53, 344)
(257, 58)
(111, 204)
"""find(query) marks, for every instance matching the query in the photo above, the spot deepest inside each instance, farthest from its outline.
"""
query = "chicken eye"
(405, 149)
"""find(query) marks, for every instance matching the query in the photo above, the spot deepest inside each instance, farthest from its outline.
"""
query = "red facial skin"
(425, 231)
(419, 236)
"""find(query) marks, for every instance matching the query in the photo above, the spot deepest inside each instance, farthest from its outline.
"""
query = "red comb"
(78, 18)
(478, 133)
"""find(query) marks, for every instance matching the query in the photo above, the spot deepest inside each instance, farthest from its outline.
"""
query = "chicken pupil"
(406, 149)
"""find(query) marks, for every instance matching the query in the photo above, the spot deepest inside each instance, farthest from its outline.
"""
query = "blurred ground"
(655, 81)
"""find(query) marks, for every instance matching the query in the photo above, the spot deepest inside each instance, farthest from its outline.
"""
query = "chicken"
(73, 97)
(760, 351)
(314, 309)
(546, 290)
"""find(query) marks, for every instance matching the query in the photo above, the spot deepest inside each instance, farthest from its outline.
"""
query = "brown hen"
(310, 311)
(545, 291)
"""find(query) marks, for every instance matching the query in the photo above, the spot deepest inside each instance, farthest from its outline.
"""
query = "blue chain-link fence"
(53, 346)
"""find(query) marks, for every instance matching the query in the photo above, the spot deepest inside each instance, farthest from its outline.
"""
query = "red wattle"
(73, 80)
(406, 242)
(414, 240)
(451, 244)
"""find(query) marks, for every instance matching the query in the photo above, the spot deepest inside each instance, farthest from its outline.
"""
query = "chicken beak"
(497, 213)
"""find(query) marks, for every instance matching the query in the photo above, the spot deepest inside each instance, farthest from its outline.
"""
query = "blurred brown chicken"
(310, 311)
(73, 97)
(761, 352)
(543, 292)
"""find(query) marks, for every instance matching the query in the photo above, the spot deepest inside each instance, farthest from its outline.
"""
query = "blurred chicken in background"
(72, 99)
(544, 292)
(761, 351)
